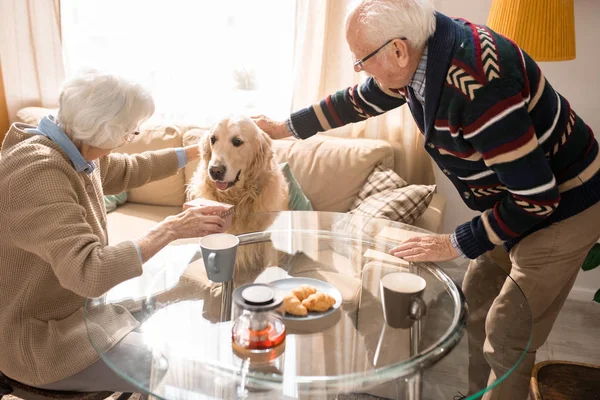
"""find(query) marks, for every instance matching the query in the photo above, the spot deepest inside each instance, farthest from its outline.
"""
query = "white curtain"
(323, 65)
(30, 52)
(200, 59)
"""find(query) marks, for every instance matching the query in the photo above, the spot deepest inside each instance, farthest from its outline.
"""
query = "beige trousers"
(544, 265)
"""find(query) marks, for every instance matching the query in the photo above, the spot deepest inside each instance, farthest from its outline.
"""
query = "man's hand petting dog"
(275, 129)
(196, 222)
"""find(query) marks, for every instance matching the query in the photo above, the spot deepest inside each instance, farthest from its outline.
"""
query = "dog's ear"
(264, 136)
(205, 150)
(265, 151)
(263, 155)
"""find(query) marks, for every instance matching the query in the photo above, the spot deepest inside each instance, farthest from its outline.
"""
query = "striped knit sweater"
(510, 143)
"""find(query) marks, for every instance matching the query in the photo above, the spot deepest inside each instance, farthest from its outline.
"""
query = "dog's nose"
(217, 172)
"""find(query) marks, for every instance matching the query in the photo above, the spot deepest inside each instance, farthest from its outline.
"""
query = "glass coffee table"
(185, 320)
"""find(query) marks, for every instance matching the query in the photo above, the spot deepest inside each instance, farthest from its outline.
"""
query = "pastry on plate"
(302, 292)
(292, 305)
(319, 302)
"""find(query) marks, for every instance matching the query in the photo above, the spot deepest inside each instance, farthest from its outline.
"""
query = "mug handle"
(417, 309)
(212, 265)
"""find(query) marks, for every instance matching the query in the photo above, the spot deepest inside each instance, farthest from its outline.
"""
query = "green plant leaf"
(593, 258)
(597, 296)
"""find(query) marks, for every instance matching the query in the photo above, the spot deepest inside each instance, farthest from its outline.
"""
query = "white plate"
(286, 285)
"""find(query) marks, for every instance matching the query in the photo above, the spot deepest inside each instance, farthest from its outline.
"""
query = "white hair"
(382, 20)
(100, 109)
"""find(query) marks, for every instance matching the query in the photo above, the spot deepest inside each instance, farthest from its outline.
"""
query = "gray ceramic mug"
(218, 252)
(402, 299)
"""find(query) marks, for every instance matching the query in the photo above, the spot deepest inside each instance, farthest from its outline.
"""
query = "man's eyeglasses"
(358, 65)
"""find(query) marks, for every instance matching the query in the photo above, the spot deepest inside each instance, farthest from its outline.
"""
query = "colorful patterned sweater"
(511, 144)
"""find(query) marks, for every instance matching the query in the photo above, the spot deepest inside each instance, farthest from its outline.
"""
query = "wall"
(578, 80)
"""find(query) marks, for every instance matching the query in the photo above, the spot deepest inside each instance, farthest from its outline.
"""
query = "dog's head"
(235, 151)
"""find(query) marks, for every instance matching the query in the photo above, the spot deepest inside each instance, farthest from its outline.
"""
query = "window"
(201, 59)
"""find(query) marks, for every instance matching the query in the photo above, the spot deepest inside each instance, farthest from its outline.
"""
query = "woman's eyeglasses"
(129, 137)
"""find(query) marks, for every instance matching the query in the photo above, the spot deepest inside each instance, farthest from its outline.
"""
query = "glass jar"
(258, 332)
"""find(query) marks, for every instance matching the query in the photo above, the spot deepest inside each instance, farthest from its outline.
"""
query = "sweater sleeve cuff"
(290, 127)
(139, 250)
(304, 123)
(455, 245)
(468, 242)
(182, 159)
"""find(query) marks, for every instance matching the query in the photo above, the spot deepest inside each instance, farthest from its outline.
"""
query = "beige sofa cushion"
(331, 171)
(33, 115)
(130, 221)
(166, 192)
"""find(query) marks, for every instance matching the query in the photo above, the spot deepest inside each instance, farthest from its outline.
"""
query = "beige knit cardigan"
(54, 253)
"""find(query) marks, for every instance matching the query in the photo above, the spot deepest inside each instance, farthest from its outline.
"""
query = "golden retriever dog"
(238, 167)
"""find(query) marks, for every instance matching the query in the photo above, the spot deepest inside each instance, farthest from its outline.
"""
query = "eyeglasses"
(358, 65)
(129, 137)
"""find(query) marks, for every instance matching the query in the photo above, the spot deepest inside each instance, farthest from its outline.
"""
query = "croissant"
(319, 302)
(302, 292)
(292, 305)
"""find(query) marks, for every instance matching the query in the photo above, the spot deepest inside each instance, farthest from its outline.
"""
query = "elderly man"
(512, 146)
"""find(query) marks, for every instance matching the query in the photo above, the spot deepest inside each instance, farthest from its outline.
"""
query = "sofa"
(330, 171)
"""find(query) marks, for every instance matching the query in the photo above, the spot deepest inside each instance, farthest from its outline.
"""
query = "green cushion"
(298, 200)
(112, 201)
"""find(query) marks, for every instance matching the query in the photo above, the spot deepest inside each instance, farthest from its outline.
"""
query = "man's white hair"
(382, 20)
(100, 109)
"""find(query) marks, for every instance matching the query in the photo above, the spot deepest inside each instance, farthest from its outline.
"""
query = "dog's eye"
(213, 140)
(237, 142)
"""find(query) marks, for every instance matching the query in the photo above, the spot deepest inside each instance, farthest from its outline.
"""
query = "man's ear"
(401, 52)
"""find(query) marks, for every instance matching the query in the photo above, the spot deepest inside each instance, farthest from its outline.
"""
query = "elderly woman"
(54, 249)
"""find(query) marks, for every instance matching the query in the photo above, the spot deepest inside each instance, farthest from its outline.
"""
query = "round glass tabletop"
(181, 343)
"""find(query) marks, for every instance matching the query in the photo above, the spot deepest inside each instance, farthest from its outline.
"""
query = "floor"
(576, 334)
(575, 337)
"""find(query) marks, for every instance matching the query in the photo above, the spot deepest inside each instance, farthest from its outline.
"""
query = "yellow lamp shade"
(545, 29)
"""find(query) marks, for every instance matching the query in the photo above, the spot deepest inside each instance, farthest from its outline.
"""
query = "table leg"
(414, 387)
(226, 297)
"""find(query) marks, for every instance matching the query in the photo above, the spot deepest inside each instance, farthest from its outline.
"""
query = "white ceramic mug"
(219, 251)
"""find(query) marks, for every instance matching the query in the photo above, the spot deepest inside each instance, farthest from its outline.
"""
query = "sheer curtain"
(323, 65)
(201, 59)
(30, 52)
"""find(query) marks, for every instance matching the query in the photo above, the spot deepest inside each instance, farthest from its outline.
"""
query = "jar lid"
(257, 297)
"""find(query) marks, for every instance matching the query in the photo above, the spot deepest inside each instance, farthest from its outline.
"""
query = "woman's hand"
(196, 222)
(192, 152)
(190, 223)
(426, 248)
(275, 129)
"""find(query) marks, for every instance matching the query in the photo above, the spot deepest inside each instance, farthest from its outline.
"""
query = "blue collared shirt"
(48, 127)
